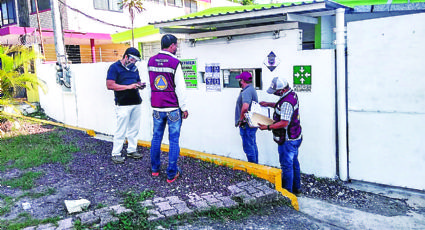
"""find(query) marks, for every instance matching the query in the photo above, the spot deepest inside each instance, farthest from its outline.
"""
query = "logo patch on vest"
(160, 82)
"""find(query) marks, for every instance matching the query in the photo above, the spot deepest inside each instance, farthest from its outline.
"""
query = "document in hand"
(259, 115)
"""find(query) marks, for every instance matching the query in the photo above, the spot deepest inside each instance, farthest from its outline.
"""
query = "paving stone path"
(251, 192)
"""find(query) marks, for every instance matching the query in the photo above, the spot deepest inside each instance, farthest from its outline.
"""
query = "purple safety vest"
(162, 68)
(293, 130)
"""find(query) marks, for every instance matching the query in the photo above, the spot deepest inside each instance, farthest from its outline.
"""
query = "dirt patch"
(93, 176)
(336, 192)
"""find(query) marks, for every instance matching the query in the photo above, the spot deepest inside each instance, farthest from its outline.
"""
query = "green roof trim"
(138, 33)
(149, 30)
(231, 9)
(353, 3)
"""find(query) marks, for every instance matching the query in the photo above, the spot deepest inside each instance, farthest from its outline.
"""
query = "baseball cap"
(246, 76)
(277, 84)
(133, 52)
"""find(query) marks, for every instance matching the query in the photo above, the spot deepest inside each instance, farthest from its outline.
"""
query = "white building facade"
(382, 104)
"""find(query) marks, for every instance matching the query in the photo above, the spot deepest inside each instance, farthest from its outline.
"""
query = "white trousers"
(128, 125)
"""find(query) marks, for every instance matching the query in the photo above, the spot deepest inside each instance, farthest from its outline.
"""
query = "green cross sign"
(302, 78)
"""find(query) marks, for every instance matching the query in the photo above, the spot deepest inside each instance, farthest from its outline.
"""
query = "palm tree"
(133, 6)
(15, 72)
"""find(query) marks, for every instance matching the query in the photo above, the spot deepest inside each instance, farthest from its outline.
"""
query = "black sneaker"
(118, 159)
(134, 155)
(298, 192)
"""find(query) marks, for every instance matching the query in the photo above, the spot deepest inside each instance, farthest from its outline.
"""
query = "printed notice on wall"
(212, 77)
(190, 73)
(302, 78)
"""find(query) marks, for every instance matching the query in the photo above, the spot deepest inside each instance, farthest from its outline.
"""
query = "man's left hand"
(185, 114)
(262, 127)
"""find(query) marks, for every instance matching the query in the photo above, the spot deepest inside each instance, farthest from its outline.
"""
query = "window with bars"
(112, 5)
(42, 5)
(8, 15)
(229, 80)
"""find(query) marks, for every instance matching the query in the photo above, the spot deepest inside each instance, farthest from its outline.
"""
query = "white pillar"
(341, 94)
(57, 31)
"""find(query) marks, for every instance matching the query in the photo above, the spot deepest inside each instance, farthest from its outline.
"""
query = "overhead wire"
(82, 53)
(91, 17)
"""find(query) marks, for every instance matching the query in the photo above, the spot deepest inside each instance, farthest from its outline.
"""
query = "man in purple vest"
(286, 132)
(168, 101)
(123, 78)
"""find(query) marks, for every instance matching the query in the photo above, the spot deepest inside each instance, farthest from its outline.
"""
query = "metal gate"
(386, 100)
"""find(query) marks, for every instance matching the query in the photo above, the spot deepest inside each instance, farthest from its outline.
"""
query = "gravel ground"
(92, 175)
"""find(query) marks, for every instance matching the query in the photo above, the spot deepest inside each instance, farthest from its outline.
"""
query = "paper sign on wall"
(189, 68)
(212, 77)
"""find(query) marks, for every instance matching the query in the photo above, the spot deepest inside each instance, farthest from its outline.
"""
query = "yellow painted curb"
(268, 173)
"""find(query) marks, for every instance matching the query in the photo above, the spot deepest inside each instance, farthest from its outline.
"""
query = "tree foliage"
(133, 6)
(15, 72)
(247, 2)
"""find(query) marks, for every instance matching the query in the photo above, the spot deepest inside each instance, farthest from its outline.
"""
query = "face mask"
(240, 84)
(130, 65)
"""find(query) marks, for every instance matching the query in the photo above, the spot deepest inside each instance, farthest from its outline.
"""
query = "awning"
(248, 21)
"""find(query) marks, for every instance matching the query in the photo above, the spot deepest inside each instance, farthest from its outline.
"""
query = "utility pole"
(63, 75)
(39, 27)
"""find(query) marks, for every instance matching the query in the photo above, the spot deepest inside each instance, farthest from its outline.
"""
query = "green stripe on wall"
(318, 34)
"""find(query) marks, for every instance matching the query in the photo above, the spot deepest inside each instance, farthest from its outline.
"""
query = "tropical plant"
(247, 2)
(133, 6)
(15, 72)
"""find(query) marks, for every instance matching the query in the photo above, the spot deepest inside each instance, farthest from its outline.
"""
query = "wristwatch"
(268, 127)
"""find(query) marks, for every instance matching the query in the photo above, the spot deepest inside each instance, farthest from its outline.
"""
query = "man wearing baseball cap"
(123, 78)
(243, 104)
(286, 132)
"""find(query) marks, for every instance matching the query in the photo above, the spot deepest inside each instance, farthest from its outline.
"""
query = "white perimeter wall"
(210, 126)
(386, 93)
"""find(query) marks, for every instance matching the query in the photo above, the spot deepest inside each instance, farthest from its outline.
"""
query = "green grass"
(9, 201)
(35, 195)
(100, 205)
(24, 152)
(138, 219)
(39, 113)
(25, 220)
(27, 151)
(25, 182)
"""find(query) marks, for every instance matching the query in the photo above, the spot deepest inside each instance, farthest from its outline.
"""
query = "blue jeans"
(249, 143)
(174, 120)
(288, 157)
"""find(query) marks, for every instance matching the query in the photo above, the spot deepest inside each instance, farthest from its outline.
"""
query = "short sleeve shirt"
(247, 95)
(286, 111)
(125, 76)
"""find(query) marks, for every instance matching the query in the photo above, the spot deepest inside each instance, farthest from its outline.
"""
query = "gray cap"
(277, 84)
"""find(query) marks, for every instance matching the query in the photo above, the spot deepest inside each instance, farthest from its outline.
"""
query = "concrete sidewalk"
(349, 218)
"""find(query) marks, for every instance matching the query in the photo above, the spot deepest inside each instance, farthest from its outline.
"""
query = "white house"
(362, 102)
